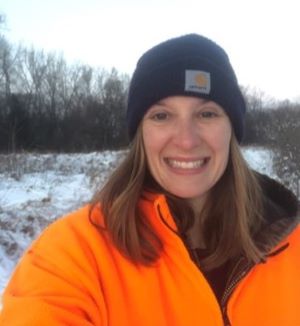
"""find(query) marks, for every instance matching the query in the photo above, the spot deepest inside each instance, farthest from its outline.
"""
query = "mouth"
(186, 164)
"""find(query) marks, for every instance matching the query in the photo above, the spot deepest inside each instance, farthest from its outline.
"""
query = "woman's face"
(187, 143)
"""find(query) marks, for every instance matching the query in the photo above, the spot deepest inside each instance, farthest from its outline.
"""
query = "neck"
(197, 205)
(195, 232)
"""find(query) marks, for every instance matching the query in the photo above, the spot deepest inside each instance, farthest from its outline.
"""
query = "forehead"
(184, 101)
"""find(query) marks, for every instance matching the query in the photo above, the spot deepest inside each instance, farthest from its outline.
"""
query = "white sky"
(261, 36)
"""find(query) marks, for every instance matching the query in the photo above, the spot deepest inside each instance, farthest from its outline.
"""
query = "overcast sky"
(261, 37)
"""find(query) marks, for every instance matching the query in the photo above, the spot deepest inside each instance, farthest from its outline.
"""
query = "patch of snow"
(259, 159)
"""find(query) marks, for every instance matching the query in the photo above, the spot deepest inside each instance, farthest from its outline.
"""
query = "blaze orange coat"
(73, 275)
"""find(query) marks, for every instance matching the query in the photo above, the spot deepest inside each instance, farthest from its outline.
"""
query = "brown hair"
(231, 215)
(129, 230)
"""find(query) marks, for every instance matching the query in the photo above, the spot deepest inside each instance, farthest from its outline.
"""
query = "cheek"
(147, 140)
(226, 145)
(152, 146)
(154, 139)
(225, 141)
(220, 141)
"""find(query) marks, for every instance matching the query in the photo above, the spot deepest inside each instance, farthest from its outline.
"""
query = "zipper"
(239, 271)
(194, 257)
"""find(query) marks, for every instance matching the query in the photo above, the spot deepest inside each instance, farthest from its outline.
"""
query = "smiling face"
(187, 142)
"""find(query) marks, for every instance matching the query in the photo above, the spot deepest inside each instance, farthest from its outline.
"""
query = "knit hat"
(187, 65)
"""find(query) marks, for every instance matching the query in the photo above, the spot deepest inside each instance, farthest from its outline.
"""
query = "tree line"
(47, 104)
(276, 125)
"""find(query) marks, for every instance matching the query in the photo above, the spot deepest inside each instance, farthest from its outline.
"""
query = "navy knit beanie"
(187, 65)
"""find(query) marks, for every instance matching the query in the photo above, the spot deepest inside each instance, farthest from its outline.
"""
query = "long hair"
(232, 213)
(129, 230)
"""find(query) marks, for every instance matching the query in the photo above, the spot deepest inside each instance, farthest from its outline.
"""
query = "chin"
(187, 194)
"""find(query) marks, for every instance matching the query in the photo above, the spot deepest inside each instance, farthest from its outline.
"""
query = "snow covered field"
(35, 189)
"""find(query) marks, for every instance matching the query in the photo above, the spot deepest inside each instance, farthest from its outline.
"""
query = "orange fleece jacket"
(72, 275)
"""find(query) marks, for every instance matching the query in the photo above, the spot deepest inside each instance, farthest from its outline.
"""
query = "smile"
(186, 165)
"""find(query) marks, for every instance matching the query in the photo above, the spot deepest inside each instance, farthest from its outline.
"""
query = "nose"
(187, 134)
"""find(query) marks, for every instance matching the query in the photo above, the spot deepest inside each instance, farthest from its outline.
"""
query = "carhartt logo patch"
(197, 81)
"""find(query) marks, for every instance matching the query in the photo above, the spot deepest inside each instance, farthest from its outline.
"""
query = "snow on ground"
(35, 189)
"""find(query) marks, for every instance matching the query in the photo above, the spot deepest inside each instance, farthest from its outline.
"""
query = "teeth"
(186, 165)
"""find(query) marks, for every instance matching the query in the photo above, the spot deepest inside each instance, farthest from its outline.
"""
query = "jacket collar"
(281, 214)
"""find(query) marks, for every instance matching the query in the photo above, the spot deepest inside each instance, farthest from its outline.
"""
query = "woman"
(183, 232)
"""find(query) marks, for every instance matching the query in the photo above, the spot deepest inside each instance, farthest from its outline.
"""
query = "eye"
(208, 114)
(159, 116)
